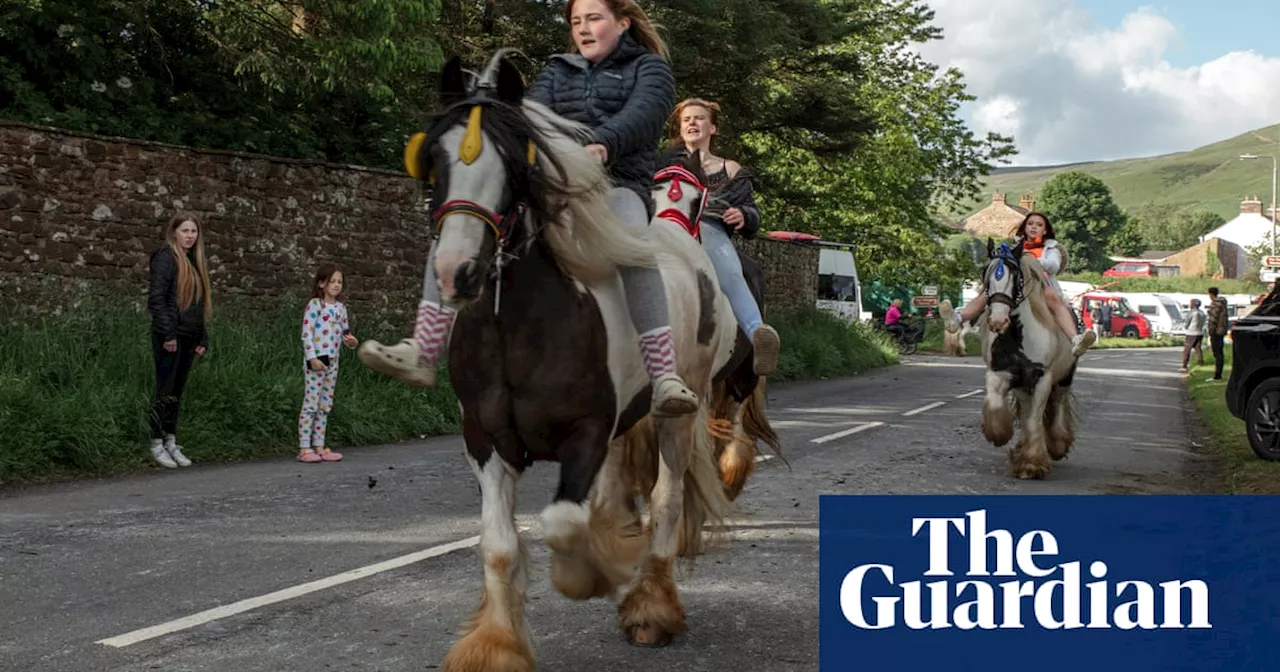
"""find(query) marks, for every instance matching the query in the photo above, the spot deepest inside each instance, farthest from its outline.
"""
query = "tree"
(883, 196)
(1165, 227)
(1084, 217)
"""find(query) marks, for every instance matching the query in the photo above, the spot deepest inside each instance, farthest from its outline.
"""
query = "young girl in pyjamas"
(324, 327)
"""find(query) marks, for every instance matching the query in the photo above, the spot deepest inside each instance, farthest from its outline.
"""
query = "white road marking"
(210, 615)
(966, 395)
(847, 432)
(764, 458)
(922, 409)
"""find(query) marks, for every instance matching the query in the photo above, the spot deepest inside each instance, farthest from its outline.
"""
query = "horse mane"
(569, 190)
(590, 241)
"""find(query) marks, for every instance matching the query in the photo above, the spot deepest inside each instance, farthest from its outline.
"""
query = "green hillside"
(1211, 177)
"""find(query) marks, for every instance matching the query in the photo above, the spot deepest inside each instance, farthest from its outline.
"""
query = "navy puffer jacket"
(625, 99)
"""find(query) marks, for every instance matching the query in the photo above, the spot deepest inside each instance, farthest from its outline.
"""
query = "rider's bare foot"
(765, 343)
(950, 318)
(1082, 342)
(401, 361)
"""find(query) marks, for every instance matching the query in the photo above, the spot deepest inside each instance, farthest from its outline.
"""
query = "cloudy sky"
(1078, 80)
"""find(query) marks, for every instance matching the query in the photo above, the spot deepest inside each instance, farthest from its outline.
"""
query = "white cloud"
(1070, 90)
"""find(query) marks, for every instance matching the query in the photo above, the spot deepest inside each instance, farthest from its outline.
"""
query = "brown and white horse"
(546, 363)
(1030, 367)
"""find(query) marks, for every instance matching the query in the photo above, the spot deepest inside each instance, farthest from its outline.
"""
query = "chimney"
(997, 197)
(1027, 203)
(1251, 205)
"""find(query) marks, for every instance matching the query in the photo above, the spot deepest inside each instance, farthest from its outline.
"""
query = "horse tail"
(756, 424)
(705, 500)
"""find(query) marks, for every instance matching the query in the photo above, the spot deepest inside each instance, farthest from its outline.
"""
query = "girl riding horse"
(617, 82)
(1036, 236)
(731, 208)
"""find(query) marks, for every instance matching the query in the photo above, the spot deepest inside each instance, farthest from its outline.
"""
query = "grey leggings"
(646, 295)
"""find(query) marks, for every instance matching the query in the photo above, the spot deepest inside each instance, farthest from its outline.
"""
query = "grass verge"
(1242, 472)
(817, 344)
(75, 387)
(1120, 342)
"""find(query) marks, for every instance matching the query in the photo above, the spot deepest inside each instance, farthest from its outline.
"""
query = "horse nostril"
(467, 280)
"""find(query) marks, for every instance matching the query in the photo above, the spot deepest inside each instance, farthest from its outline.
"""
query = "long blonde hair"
(642, 29)
(193, 283)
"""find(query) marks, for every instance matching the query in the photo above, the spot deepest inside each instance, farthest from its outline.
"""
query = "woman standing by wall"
(178, 299)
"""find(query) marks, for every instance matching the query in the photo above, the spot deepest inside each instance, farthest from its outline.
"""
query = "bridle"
(1004, 261)
(502, 225)
(679, 174)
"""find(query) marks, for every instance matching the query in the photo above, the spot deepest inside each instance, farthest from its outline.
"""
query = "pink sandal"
(309, 456)
(329, 455)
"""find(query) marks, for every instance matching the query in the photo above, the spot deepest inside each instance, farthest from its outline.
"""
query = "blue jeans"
(724, 257)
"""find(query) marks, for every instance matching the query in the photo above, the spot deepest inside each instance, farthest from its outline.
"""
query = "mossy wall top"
(78, 209)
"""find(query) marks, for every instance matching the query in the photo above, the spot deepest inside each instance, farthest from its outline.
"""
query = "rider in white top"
(1037, 238)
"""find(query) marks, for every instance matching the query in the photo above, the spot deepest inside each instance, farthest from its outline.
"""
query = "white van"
(1160, 309)
(839, 290)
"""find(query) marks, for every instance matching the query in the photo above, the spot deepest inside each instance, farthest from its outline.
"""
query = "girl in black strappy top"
(731, 207)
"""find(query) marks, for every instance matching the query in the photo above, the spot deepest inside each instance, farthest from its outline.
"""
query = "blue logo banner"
(1044, 582)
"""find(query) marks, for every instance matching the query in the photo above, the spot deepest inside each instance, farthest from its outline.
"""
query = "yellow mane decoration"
(468, 149)
(472, 141)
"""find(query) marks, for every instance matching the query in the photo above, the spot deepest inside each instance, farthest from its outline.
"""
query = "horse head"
(1002, 282)
(680, 194)
(479, 154)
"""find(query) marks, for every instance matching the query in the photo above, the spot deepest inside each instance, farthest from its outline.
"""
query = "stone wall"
(75, 206)
(78, 209)
(790, 272)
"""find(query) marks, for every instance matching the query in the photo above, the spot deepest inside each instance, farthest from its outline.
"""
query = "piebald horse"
(1029, 364)
(546, 363)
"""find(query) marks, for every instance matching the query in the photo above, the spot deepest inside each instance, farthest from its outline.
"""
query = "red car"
(1128, 268)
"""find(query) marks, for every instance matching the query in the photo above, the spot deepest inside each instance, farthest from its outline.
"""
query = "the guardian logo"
(1050, 593)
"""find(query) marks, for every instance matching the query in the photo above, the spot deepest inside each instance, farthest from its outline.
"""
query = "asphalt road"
(87, 562)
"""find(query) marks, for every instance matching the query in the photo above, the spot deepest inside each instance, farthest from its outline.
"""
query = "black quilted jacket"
(626, 99)
(167, 319)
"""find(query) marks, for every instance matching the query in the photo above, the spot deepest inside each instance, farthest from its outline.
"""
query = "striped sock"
(659, 351)
(431, 329)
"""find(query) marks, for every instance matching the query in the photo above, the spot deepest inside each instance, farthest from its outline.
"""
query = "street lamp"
(1273, 197)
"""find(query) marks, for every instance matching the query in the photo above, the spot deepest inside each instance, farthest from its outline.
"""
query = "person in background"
(1193, 328)
(893, 317)
(325, 327)
(178, 299)
(1106, 312)
(1095, 316)
(1216, 327)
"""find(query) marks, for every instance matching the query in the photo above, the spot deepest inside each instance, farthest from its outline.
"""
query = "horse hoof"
(1031, 471)
(649, 636)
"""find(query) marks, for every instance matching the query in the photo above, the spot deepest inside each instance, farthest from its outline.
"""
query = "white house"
(1249, 228)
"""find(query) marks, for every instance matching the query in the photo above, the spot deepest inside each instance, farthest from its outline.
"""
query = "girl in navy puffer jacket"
(619, 83)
